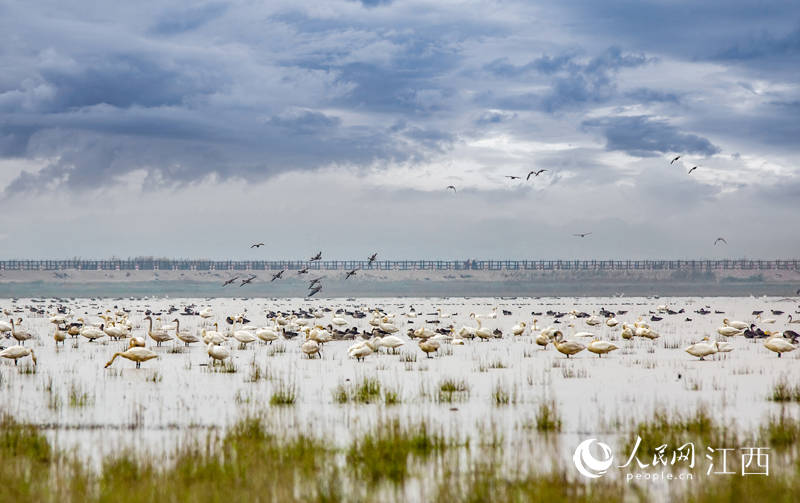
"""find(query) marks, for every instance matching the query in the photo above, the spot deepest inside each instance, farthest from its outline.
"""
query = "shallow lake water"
(96, 410)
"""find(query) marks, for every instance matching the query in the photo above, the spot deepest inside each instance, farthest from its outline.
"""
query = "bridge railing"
(148, 264)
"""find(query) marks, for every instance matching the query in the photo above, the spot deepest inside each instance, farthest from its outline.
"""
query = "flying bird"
(373, 257)
(228, 282)
(315, 290)
(318, 256)
(350, 273)
(452, 187)
(694, 168)
(535, 173)
(676, 158)
(313, 282)
(247, 281)
(581, 234)
(257, 245)
(512, 177)
(303, 271)
(277, 275)
(718, 240)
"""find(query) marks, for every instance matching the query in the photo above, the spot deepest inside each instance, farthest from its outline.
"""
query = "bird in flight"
(350, 273)
(719, 240)
(247, 281)
(373, 257)
(675, 159)
(581, 234)
(693, 168)
(277, 275)
(512, 177)
(318, 256)
(535, 173)
(304, 270)
(228, 282)
(313, 282)
(314, 290)
(452, 187)
(257, 245)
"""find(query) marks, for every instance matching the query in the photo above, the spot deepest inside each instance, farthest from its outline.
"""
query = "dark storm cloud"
(181, 20)
(644, 136)
(251, 90)
(571, 81)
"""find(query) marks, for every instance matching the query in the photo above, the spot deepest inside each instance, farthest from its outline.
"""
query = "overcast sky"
(193, 129)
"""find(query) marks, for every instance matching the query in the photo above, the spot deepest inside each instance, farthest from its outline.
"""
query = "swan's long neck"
(112, 359)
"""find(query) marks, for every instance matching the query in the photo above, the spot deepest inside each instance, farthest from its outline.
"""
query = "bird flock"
(536, 173)
(314, 285)
(371, 329)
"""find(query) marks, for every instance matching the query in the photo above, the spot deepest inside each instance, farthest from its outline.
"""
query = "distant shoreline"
(404, 288)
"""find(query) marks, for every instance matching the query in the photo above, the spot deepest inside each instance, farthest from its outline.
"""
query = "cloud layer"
(402, 99)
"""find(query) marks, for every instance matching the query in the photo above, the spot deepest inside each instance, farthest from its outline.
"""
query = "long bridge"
(155, 264)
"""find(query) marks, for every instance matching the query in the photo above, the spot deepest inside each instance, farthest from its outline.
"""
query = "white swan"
(134, 354)
(600, 348)
(217, 352)
(779, 344)
(17, 352)
(735, 324)
(728, 331)
(391, 342)
(18, 334)
(702, 349)
(519, 328)
(185, 336)
(158, 335)
(268, 334)
(566, 347)
(310, 347)
(428, 347)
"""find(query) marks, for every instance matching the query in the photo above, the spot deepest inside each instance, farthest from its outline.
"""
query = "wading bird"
(134, 354)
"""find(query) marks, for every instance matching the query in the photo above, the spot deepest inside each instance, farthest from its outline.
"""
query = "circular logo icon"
(587, 464)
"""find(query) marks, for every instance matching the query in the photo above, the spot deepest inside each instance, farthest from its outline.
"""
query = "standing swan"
(134, 354)
(17, 352)
(185, 336)
(158, 335)
(19, 335)
(566, 347)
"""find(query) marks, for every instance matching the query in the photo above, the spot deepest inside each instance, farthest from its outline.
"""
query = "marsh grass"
(452, 390)
(547, 418)
(276, 349)
(781, 432)
(497, 364)
(385, 452)
(501, 395)
(368, 390)
(283, 394)
(79, 398)
(392, 461)
(675, 429)
(784, 391)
